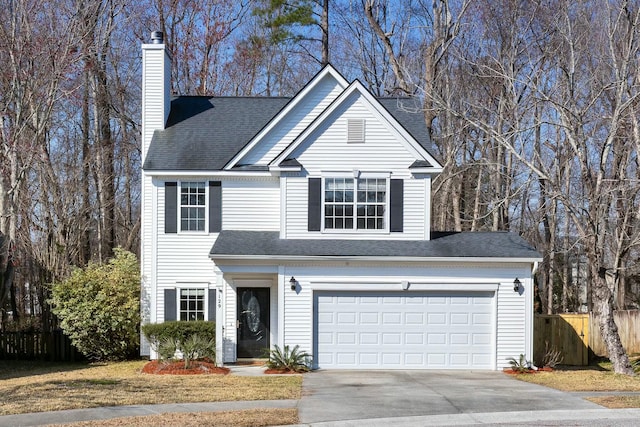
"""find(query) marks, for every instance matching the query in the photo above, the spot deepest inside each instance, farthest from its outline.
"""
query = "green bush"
(289, 359)
(99, 307)
(519, 365)
(195, 339)
(179, 330)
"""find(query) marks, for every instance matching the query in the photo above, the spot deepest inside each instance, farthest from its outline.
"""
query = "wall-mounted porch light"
(516, 285)
(293, 282)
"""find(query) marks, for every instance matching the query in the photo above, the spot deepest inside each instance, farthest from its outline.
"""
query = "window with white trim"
(355, 203)
(192, 304)
(193, 200)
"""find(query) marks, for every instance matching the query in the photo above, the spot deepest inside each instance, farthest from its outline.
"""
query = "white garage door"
(403, 330)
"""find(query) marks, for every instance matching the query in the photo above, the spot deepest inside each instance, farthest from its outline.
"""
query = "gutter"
(371, 258)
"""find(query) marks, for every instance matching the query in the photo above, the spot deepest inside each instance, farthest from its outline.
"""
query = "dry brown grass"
(28, 387)
(587, 379)
(248, 418)
(617, 402)
(599, 378)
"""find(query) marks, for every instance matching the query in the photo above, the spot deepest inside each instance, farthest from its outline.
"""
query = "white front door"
(404, 330)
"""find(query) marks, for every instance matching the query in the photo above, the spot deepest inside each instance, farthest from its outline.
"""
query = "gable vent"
(355, 130)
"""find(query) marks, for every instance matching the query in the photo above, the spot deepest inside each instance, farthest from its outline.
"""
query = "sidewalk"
(103, 413)
(618, 417)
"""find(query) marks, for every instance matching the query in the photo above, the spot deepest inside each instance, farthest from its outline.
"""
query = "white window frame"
(356, 176)
(205, 307)
(205, 206)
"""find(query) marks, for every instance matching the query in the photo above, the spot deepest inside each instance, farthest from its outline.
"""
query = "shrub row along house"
(306, 221)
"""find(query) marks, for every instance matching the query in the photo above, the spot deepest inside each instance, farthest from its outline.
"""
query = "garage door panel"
(414, 338)
(436, 318)
(460, 319)
(481, 339)
(390, 330)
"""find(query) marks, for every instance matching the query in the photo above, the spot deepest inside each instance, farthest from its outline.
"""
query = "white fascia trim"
(368, 285)
(209, 174)
(419, 171)
(328, 70)
(152, 46)
(376, 108)
(285, 169)
(374, 259)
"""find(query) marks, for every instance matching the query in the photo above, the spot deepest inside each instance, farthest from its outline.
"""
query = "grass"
(248, 418)
(30, 386)
(598, 377)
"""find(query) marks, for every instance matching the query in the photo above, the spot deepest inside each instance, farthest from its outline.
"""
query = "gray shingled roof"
(204, 133)
(232, 243)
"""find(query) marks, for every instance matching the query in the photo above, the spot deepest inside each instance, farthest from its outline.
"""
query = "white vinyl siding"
(251, 205)
(511, 314)
(295, 122)
(326, 148)
(156, 100)
(155, 109)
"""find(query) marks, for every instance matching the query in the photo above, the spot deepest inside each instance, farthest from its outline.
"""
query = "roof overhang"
(333, 258)
(209, 174)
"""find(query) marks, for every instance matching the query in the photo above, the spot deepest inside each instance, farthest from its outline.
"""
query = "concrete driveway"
(352, 395)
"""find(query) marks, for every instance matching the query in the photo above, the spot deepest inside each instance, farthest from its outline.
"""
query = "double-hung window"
(355, 203)
(193, 201)
(192, 304)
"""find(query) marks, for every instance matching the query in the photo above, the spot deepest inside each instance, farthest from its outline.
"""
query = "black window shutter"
(170, 302)
(215, 206)
(170, 207)
(396, 200)
(212, 305)
(314, 213)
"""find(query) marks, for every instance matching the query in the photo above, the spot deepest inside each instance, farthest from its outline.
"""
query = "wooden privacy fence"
(51, 346)
(567, 333)
(577, 336)
(628, 323)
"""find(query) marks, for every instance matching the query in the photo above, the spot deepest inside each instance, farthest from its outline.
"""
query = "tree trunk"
(603, 310)
(324, 26)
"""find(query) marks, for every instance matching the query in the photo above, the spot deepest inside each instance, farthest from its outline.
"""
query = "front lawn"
(596, 378)
(33, 386)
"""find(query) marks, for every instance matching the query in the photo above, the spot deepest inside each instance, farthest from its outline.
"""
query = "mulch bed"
(528, 371)
(198, 367)
(280, 371)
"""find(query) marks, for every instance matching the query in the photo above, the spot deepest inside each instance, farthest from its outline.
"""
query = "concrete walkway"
(591, 417)
(104, 413)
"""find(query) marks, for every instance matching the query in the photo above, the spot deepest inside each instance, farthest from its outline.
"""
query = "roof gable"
(292, 119)
(419, 152)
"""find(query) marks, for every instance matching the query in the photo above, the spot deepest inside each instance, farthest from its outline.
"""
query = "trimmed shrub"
(99, 307)
(193, 340)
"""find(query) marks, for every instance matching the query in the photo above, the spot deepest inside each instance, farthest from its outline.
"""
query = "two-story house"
(306, 221)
